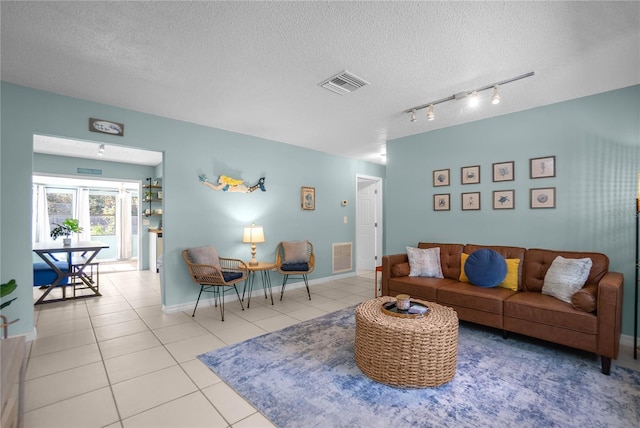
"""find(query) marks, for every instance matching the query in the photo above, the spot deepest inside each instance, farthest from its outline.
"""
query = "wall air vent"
(343, 83)
(341, 254)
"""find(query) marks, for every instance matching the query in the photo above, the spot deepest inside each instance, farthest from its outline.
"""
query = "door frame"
(378, 217)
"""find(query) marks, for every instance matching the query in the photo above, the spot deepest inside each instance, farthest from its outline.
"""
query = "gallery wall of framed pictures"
(501, 199)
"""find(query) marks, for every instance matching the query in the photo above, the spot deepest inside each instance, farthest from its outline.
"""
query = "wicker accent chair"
(214, 274)
(295, 259)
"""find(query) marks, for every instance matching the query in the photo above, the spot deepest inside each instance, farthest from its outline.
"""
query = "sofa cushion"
(418, 287)
(449, 257)
(565, 277)
(485, 268)
(586, 299)
(424, 262)
(511, 280)
(400, 269)
(537, 261)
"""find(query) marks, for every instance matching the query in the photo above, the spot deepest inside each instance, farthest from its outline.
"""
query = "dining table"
(79, 256)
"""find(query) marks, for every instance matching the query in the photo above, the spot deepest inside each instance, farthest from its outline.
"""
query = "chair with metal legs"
(295, 259)
(214, 274)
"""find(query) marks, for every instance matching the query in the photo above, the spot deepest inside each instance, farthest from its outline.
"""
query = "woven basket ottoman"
(406, 352)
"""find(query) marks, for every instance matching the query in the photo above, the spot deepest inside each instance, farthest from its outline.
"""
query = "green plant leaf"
(8, 288)
(5, 304)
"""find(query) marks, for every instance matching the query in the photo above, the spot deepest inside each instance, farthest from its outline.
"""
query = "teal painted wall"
(596, 141)
(193, 213)
(68, 166)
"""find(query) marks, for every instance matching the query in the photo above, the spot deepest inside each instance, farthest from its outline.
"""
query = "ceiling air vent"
(343, 83)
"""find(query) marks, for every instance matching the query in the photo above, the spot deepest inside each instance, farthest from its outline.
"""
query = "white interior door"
(369, 224)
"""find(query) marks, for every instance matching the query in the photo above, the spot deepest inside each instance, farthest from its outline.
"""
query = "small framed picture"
(470, 174)
(442, 202)
(503, 171)
(542, 167)
(543, 197)
(160, 194)
(308, 198)
(470, 201)
(441, 177)
(504, 199)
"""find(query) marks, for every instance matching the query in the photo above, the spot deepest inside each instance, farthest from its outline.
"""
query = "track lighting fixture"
(101, 150)
(473, 99)
(495, 99)
(472, 94)
(430, 114)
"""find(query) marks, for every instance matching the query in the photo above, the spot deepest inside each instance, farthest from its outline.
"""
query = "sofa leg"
(505, 334)
(606, 365)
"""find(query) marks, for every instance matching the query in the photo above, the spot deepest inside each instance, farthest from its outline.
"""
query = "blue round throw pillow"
(485, 268)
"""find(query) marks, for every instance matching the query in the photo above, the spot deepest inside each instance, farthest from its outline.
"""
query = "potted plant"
(69, 226)
(5, 290)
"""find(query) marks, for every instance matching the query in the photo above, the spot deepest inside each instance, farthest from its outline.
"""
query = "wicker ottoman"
(406, 352)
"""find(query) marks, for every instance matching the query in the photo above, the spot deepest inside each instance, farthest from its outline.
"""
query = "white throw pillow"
(295, 252)
(424, 262)
(566, 277)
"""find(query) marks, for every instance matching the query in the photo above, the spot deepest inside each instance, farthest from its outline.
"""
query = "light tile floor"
(119, 361)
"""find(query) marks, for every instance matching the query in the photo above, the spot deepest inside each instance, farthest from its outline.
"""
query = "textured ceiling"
(254, 67)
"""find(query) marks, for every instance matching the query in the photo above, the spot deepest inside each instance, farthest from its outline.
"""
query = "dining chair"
(214, 274)
(295, 259)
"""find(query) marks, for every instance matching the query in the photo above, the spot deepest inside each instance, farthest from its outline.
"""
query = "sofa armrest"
(610, 292)
(387, 263)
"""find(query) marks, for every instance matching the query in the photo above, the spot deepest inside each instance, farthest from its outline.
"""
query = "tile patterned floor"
(119, 361)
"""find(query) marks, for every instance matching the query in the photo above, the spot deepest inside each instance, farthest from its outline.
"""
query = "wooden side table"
(378, 269)
(264, 268)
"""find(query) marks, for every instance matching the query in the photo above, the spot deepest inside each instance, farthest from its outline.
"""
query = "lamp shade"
(253, 234)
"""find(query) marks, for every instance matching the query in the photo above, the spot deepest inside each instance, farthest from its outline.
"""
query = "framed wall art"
(441, 177)
(542, 167)
(543, 197)
(442, 202)
(470, 201)
(470, 174)
(503, 171)
(504, 199)
(308, 198)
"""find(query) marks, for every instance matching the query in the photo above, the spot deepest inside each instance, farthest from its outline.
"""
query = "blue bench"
(44, 275)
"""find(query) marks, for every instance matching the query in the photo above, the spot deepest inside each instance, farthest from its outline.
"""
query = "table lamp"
(253, 234)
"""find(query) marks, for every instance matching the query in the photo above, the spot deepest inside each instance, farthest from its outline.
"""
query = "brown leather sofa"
(591, 323)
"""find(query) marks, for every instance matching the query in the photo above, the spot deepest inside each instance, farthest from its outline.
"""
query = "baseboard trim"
(188, 306)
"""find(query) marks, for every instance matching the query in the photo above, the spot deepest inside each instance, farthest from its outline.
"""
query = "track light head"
(413, 115)
(495, 99)
(430, 114)
(473, 99)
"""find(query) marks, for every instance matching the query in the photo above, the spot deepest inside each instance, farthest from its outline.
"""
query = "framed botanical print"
(470, 174)
(543, 197)
(504, 199)
(470, 201)
(542, 167)
(441, 177)
(442, 202)
(308, 198)
(503, 171)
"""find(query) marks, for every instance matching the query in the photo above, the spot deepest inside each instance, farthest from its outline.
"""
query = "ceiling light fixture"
(473, 99)
(430, 114)
(495, 99)
(101, 150)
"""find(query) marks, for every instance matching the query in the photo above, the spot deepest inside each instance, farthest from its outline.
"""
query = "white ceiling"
(254, 67)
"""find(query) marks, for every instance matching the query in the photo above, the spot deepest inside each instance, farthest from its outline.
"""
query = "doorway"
(368, 222)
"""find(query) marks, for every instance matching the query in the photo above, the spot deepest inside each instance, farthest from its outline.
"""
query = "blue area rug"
(306, 376)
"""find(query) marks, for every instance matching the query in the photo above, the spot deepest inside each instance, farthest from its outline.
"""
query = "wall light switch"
(345, 220)
(146, 222)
